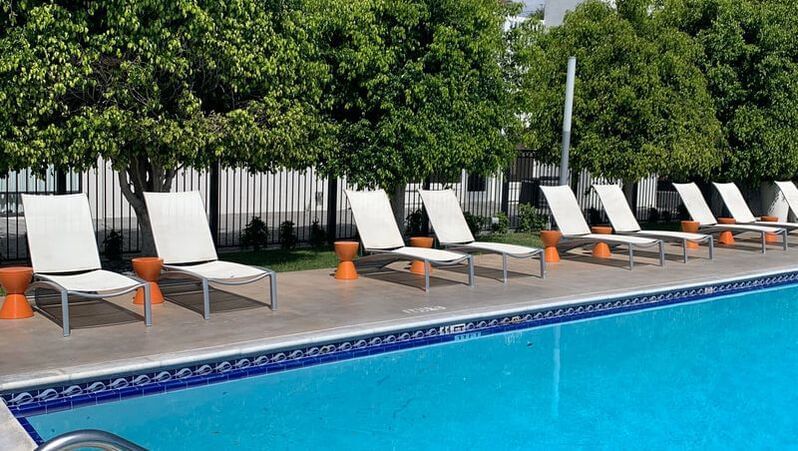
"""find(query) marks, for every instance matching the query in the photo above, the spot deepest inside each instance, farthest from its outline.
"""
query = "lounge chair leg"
(471, 271)
(784, 240)
(662, 253)
(273, 289)
(147, 305)
(426, 276)
(504, 268)
(65, 311)
(684, 251)
(631, 257)
(711, 247)
(764, 248)
(206, 300)
(542, 265)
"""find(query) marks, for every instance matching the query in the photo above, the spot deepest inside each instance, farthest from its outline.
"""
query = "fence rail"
(234, 196)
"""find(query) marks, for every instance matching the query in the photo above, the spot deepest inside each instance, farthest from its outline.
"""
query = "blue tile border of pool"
(23, 404)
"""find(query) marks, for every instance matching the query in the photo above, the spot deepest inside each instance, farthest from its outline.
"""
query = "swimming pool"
(708, 375)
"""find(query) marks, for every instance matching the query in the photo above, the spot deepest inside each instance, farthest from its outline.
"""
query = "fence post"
(60, 181)
(332, 208)
(505, 204)
(213, 201)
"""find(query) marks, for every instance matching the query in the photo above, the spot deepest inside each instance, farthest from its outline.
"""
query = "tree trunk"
(398, 205)
(139, 177)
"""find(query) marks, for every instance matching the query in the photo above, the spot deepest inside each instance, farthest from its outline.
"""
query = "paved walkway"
(316, 308)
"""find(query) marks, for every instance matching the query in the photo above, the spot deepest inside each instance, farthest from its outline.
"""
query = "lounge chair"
(452, 230)
(624, 222)
(738, 208)
(381, 236)
(790, 193)
(699, 210)
(573, 226)
(183, 240)
(64, 255)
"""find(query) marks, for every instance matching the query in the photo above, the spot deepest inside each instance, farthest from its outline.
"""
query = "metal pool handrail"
(89, 438)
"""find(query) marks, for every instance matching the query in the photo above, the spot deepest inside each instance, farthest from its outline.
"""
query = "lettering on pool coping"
(433, 308)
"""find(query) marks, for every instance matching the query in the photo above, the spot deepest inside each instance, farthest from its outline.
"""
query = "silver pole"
(566, 120)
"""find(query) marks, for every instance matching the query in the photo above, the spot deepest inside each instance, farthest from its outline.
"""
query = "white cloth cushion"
(502, 248)
(618, 210)
(180, 227)
(99, 280)
(374, 219)
(735, 202)
(673, 234)
(446, 216)
(694, 201)
(220, 270)
(566, 211)
(435, 255)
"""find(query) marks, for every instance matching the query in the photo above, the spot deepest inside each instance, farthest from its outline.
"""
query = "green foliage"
(653, 215)
(750, 58)
(414, 223)
(317, 237)
(255, 234)
(475, 223)
(529, 220)
(113, 246)
(419, 86)
(287, 235)
(500, 224)
(641, 104)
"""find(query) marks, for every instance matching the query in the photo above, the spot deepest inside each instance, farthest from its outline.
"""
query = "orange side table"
(346, 252)
(550, 239)
(417, 267)
(15, 281)
(726, 237)
(149, 269)
(601, 250)
(770, 237)
(691, 227)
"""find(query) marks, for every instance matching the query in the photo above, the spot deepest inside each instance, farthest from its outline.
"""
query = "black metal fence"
(234, 196)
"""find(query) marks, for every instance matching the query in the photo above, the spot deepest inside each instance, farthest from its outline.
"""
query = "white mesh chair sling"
(624, 222)
(64, 255)
(183, 240)
(572, 224)
(738, 208)
(452, 230)
(790, 193)
(380, 235)
(699, 210)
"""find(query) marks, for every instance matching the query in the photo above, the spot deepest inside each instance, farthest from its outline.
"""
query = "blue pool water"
(716, 374)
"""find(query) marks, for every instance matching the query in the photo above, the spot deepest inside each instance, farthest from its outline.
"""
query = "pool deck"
(315, 308)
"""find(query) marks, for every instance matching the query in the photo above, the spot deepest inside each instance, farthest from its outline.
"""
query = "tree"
(418, 88)
(750, 57)
(641, 103)
(155, 86)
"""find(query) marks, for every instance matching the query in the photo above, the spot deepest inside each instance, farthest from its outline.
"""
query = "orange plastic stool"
(601, 250)
(149, 269)
(346, 252)
(417, 267)
(15, 281)
(691, 227)
(726, 237)
(771, 237)
(550, 239)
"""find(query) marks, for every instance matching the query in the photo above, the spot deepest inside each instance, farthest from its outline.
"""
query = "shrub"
(500, 224)
(594, 216)
(414, 223)
(529, 220)
(653, 215)
(318, 237)
(287, 235)
(667, 216)
(475, 223)
(255, 234)
(683, 214)
(112, 246)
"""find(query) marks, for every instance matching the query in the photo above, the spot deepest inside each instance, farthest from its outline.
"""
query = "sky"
(531, 6)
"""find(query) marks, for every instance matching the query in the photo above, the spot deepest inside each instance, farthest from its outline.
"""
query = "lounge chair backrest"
(790, 193)
(618, 210)
(374, 218)
(180, 227)
(60, 233)
(735, 202)
(694, 201)
(566, 211)
(446, 216)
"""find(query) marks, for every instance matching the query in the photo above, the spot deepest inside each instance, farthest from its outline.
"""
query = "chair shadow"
(406, 278)
(490, 272)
